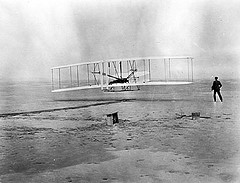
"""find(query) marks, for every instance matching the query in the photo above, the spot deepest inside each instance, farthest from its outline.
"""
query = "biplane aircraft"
(96, 79)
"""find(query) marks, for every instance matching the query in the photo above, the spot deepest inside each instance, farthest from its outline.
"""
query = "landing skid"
(122, 89)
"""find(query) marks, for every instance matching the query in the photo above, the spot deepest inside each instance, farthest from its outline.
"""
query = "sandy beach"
(154, 141)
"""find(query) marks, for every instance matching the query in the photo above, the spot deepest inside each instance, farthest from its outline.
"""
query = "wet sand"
(154, 141)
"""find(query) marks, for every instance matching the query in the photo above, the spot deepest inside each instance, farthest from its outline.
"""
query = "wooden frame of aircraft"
(123, 74)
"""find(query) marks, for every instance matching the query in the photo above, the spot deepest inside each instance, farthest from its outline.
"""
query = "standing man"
(216, 88)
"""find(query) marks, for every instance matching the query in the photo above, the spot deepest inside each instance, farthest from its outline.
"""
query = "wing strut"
(149, 70)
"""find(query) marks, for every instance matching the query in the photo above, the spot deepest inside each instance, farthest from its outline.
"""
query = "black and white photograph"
(119, 91)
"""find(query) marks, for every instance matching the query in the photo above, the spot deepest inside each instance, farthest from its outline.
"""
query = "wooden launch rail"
(59, 109)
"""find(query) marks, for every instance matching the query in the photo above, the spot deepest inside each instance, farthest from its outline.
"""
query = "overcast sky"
(36, 35)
